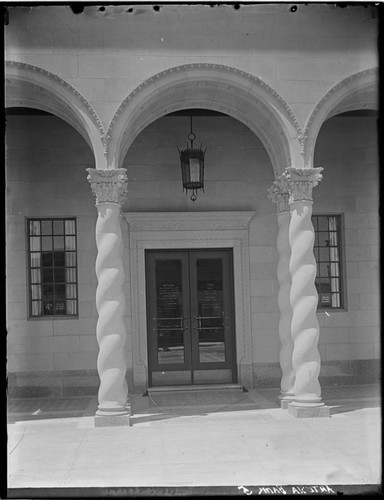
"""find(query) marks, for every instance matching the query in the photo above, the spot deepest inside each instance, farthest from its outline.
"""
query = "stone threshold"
(195, 388)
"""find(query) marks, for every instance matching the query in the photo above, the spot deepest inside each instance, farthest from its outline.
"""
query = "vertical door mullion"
(193, 309)
(227, 289)
(151, 297)
(187, 334)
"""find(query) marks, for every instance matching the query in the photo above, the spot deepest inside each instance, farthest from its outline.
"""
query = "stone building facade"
(98, 103)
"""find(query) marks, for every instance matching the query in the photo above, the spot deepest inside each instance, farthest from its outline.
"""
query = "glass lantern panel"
(194, 170)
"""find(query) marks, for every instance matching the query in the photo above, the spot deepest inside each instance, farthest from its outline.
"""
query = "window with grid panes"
(52, 267)
(328, 255)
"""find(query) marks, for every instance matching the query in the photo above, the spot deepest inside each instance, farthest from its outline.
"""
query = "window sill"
(330, 310)
(53, 317)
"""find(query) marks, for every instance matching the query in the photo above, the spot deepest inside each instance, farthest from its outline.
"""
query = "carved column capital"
(299, 182)
(109, 186)
(278, 194)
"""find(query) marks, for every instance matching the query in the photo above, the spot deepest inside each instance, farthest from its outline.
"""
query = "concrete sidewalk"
(222, 440)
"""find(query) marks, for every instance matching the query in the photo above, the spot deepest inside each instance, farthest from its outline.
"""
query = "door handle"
(198, 319)
(180, 318)
(171, 328)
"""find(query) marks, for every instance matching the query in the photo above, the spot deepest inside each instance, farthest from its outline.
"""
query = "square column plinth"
(306, 411)
(112, 421)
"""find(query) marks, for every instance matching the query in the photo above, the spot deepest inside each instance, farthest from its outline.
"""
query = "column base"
(113, 417)
(285, 399)
(308, 410)
(112, 421)
(284, 403)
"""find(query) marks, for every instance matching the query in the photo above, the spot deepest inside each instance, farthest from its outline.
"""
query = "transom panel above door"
(190, 317)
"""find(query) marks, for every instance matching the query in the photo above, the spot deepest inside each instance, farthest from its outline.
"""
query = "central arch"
(214, 87)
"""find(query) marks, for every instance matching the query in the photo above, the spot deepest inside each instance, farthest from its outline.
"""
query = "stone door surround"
(189, 230)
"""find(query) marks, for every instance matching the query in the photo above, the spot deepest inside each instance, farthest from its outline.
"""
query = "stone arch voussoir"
(221, 88)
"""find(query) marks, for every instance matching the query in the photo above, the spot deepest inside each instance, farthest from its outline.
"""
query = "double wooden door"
(190, 317)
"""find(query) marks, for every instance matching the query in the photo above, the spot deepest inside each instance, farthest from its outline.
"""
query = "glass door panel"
(168, 318)
(169, 312)
(211, 292)
(210, 311)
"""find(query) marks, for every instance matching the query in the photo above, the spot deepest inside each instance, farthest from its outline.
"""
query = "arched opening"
(233, 213)
(357, 92)
(32, 87)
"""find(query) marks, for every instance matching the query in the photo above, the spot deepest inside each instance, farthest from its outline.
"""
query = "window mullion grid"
(340, 259)
(330, 238)
(52, 266)
(71, 300)
(32, 269)
(53, 273)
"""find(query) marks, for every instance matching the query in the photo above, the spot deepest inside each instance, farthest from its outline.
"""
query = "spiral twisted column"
(110, 189)
(303, 296)
(279, 196)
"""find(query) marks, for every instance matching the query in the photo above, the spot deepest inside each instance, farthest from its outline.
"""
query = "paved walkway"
(217, 439)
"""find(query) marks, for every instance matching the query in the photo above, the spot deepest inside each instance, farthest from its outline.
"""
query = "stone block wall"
(46, 177)
(237, 167)
(347, 149)
(106, 54)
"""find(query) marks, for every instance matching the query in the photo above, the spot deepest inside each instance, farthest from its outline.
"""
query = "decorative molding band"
(202, 66)
(279, 195)
(299, 182)
(188, 221)
(108, 186)
(303, 137)
(52, 76)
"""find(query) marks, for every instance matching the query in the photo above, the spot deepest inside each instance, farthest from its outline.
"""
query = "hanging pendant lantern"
(192, 166)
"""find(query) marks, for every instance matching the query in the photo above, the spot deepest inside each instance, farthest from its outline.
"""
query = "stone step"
(195, 388)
